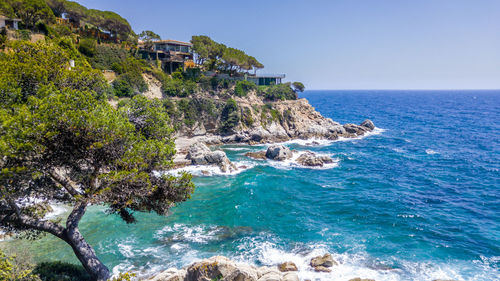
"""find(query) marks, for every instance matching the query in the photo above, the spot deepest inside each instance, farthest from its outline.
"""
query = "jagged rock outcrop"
(259, 155)
(287, 266)
(323, 263)
(278, 152)
(200, 154)
(261, 121)
(221, 268)
(310, 159)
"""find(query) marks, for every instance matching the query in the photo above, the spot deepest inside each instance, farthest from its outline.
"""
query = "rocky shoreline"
(222, 268)
(297, 120)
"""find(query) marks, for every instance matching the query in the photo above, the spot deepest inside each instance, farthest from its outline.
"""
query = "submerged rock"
(323, 263)
(287, 266)
(259, 155)
(353, 130)
(278, 152)
(200, 154)
(310, 159)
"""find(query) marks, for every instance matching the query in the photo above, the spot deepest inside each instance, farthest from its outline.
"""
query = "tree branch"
(64, 182)
(76, 215)
(41, 225)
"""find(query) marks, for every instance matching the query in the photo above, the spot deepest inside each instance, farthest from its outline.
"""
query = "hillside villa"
(174, 54)
(6, 22)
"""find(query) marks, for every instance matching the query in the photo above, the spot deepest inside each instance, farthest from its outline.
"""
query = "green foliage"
(106, 56)
(55, 123)
(12, 269)
(280, 92)
(61, 271)
(178, 87)
(149, 117)
(193, 74)
(230, 116)
(29, 11)
(129, 69)
(23, 34)
(217, 56)
(124, 277)
(55, 31)
(3, 38)
(27, 67)
(247, 117)
(170, 109)
(148, 36)
(88, 47)
(129, 84)
(298, 87)
(243, 87)
(106, 20)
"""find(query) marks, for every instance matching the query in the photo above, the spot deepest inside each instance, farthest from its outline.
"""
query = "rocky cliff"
(252, 119)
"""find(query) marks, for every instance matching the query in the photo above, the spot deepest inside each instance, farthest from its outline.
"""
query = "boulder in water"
(278, 152)
(368, 124)
(259, 155)
(200, 154)
(287, 266)
(323, 263)
(310, 159)
(220, 268)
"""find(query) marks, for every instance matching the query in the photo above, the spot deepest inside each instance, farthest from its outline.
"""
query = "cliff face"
(255, 120)
(222, 117)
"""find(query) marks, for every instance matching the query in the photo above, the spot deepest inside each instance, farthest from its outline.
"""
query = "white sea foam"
(236, 148)
(264, 249)
(292, 162)
(398, 150)
(184, 233)
(431, 152)
(376, 131)
(310, 142)
(57, 211)
(211, 170)
(326, 142)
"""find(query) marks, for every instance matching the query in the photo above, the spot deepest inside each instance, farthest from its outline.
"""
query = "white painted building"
(9, 23)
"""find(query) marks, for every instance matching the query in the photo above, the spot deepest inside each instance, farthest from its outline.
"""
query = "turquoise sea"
(417, 200)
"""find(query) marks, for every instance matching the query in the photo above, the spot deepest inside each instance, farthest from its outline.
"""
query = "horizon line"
(466, 89)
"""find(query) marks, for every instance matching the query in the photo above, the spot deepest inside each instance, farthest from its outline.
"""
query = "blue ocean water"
(418, 200)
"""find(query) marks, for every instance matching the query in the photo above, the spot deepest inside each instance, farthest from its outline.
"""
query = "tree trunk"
(87, 256)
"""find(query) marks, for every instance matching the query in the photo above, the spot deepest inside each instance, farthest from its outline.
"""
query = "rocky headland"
(256, 121)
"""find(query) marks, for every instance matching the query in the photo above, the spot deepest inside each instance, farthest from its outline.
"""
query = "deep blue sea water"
(419, 200)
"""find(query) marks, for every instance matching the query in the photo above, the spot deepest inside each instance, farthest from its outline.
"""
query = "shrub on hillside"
(105, 56)
(230, 116)
(243, 87)
(280, 92)
(129, 84)
(178, 87)
(87, 47)
(61, 271)
(13, 269)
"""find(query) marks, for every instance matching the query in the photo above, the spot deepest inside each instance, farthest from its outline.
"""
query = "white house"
(9, 23)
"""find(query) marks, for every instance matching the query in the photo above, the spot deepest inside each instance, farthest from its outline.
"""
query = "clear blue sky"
(342, 44)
